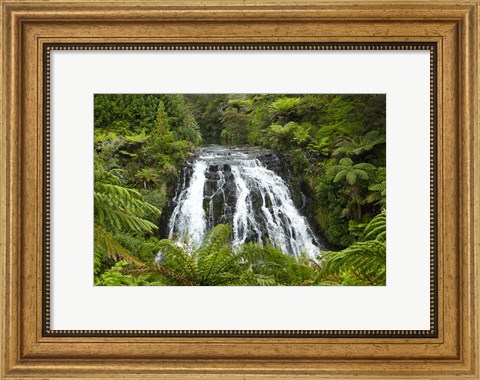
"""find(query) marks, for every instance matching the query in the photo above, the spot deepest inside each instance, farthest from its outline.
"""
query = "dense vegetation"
(335, 145)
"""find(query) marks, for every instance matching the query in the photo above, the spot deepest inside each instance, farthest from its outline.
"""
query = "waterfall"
(188, 218)
(236, 186)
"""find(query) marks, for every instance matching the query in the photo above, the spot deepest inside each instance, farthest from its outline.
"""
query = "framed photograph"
(201, 189)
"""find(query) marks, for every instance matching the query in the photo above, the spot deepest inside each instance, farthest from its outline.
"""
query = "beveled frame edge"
(25, 353)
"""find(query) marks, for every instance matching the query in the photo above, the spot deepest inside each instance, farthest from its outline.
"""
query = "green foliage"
(117, 276)
(139, 138)
(378, 189)
(352, 175)
(215, 263)
(283, 109)
(376, 229)
(240, 104)
(117, 209)
(107, 245)
(330, 205)
(101, 261)
(355, 146)
(207, 111)
(234, 122)
(127, 112)
(148, 176)
(259, 116)
(120, 208)
(350, 172)
(141, 142)
(335, 145)
(268, 261)
(136, 114)
(321, 146)
(365, 261)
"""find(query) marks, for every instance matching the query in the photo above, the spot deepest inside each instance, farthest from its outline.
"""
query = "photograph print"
(239, 190)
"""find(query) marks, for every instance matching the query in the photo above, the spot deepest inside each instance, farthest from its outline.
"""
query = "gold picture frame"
(31, 29)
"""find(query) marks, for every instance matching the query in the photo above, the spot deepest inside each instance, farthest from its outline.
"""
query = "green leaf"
(340, 175)
(351, 177)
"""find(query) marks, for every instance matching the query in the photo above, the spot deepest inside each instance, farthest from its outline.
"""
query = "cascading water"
(188, 218)
(235, 186)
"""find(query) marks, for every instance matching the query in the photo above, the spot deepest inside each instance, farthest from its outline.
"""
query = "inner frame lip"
(335, 46)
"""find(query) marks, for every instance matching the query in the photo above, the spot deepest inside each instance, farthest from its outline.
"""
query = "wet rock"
(247, 187)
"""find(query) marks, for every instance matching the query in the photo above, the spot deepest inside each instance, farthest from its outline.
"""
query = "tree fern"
(360, 144)
(117, 209)
(113, 249)
(376, 229)
(278, 267)
(121, 275)
(175, 264)
(120, 208)
(378, 193)
(365, 260)
(284, 105)
(215, 263)
(218, 263)
(351, 172)
(214, 252)
(98, 257)
(250, 277)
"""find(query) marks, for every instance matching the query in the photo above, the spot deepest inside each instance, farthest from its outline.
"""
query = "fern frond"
(118, 207)
(366, 258)
(376, 229)
(109, 211)
(214, 249)
(116, 251)
(175, 258)
(98, 256)
(250, 278)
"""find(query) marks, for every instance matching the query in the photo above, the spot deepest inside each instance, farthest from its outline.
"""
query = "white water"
(188, 218)
(262, 207)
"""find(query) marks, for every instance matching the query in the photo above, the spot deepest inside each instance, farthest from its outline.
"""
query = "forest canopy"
(335, 147)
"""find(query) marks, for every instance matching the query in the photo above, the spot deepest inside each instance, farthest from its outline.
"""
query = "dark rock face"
(247, 187)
